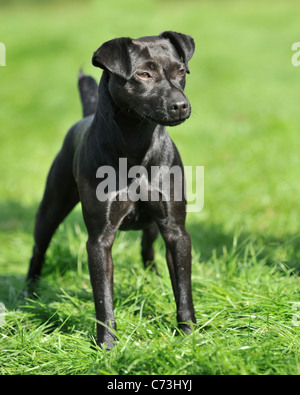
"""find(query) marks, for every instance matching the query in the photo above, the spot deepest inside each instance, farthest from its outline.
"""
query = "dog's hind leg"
(60, 196)
(150, 234)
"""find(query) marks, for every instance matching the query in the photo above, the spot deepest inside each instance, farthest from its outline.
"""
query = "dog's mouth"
(165, 121)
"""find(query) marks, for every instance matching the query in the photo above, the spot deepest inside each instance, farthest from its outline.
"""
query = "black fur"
(141, 90)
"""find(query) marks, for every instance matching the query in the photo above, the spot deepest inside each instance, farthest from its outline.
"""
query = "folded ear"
(184, 45)
(114, 56)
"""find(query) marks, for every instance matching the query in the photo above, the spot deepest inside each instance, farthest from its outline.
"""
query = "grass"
(244, 130)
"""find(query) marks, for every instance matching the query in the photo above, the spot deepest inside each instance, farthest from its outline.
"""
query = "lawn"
(244, 130)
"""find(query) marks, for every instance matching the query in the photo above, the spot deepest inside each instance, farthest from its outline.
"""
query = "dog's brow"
(151, 65)
(175, 66)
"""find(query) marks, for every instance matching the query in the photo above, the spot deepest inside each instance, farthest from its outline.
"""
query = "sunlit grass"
(246, 242)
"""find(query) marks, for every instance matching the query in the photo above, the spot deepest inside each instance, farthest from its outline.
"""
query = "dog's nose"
(178, 108)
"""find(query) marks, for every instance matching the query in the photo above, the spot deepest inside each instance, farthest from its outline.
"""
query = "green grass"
(246, 242)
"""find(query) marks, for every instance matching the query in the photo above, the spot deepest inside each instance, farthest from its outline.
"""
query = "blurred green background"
(244, 126)
(243, 88)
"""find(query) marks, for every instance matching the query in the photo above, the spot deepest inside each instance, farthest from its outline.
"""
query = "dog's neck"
(132, 135)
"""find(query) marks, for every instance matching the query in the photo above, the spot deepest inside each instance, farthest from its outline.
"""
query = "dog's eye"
(144, 75)
(181, 72)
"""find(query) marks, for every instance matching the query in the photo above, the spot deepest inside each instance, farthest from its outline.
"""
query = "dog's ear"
(114, 56)
(184, 45)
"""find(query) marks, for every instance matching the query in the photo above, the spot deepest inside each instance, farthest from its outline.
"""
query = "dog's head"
(147, 75)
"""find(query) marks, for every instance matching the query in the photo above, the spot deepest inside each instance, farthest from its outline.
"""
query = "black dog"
(141, 89)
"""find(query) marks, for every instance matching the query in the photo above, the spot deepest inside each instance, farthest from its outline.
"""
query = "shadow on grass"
(62, 260)
(271, 249)
(15, 217)
(206, 237)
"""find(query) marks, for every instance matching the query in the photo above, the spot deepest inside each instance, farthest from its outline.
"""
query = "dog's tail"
(88, 89)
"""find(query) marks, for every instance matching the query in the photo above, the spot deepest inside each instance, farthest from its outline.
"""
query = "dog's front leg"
(178, 253)
(101, 273)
